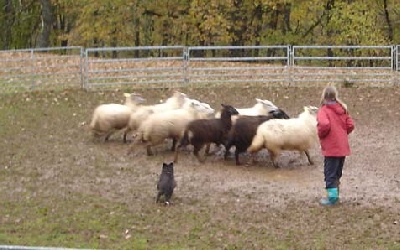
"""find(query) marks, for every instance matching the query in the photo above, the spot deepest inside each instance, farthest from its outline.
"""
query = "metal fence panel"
(175, 66)
(40, 68)
(237, 64)
(147, 66)
(371, 65)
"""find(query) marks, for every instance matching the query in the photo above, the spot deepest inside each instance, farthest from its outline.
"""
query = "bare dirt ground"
(52, 172)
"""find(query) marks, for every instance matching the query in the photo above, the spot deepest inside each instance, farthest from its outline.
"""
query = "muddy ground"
(52, 172)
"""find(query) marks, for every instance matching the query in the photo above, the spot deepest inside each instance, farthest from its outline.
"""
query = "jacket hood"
(336, 107)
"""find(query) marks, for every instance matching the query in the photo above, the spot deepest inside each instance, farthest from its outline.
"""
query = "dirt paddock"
(59, 187)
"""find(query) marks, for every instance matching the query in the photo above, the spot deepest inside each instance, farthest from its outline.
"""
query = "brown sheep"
(204, 131)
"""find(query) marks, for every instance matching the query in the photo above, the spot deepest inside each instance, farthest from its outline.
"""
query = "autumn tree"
(98, 23)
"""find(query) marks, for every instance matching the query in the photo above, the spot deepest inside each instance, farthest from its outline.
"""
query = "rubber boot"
(333, 197)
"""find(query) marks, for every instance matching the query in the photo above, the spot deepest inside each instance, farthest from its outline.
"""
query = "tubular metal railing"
(176, 66)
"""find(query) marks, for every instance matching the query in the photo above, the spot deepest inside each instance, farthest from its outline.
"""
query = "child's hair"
(330, 93)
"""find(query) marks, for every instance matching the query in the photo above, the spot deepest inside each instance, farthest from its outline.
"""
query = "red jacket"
(333, 126)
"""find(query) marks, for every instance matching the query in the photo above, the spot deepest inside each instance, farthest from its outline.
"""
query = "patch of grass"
(77, 222)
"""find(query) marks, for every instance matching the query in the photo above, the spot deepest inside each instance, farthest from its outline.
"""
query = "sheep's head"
(229, 109)
(179, 95)
(134, 98)
(267, 104)
(278, 114)
(207, 108)
(178, 99)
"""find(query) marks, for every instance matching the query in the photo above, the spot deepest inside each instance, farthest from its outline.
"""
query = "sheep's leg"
(207, 151)
(238, 163)
(309, 157)
(174, 142)
(253, 160)
(227, 153)
(228, 146)
(149, 150)
(176, 154)
(108, 136)
(125, 140)
(126, 135)
(196, 151)
(273, 156)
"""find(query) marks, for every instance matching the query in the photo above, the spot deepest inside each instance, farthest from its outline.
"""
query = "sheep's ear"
(259, 100)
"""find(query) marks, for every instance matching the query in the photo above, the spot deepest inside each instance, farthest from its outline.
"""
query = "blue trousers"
(333, 167)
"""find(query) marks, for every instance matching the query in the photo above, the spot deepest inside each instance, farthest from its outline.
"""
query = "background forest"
(98, 23)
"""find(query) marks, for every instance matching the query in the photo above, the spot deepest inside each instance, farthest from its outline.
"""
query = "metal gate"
(237, 65)
(372, 65)
(31, 69)
(147, 67)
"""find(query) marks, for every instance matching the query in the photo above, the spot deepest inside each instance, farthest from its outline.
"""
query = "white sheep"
(262, 107)
(169, 124)
(176, 101)
(299, 134)
(108, 118)
(207, 111)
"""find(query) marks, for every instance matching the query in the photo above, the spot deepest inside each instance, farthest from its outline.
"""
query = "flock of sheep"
(188, 121)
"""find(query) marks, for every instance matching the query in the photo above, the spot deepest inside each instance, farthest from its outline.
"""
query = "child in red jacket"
(334, 125)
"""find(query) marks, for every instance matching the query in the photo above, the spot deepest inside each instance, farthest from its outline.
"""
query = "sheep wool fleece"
(334, 125)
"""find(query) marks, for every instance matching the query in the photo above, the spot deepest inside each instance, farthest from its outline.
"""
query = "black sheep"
(205, 131)
(245, 128)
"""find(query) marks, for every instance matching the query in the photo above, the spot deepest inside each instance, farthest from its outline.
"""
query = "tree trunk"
(9, 20)
(47, 22)
(239, 25)
(258, 15)
(287, 8)
(388, 21)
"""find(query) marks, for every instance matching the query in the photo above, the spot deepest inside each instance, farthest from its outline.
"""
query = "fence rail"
(175, 66)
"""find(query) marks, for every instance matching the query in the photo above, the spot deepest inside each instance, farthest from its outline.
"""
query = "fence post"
(290, 63)
(84, 68)
(185, 65)
(396, 57)
(33, 66)
(395, 54)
